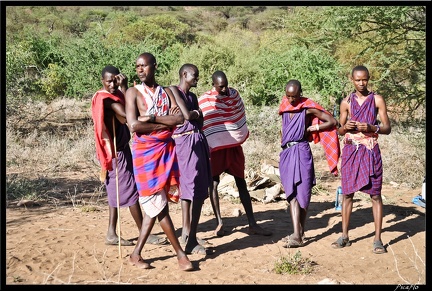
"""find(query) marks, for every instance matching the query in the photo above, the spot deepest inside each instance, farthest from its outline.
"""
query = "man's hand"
(122, 80)
(351, 125)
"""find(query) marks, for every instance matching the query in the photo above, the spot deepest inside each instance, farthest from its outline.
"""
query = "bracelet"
(378, 128)
(197, 113)
(152, 118)
(317, 127)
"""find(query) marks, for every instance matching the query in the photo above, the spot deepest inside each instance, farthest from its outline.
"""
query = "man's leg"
(296, 215)
(112, 237)
(377, 211)
(303, 214)
(347, 205)
(186, 219)
(193, 246)
(135, 257)
(214, 199)
(168, 227)
(245, 199)
(112, 223)
(137, 215)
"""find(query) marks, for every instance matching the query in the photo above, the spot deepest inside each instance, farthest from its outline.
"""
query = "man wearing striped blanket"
(151, 116)
(225, 129)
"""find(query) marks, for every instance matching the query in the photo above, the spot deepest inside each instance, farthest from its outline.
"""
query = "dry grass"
(49, 141)
(417, 263)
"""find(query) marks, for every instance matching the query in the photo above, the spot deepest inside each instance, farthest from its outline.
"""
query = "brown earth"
(62, 242)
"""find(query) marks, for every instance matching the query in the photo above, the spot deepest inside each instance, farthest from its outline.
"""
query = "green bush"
(294, 264)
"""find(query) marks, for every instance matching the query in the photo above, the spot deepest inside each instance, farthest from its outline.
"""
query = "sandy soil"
(64, 243)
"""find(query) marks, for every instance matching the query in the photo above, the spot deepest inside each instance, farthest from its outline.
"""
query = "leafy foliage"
(60, 50)
(395, 50)
(294, 264)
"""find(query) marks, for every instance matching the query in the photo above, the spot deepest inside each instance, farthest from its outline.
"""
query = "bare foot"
(219, 231)
(184, 263)
(139, 262)
(256, 229)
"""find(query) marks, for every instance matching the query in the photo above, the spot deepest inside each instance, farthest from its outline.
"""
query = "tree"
(395, 50)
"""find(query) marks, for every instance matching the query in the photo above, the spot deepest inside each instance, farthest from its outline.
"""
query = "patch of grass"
(293, 264)
(319, 189)
(89, 208)
(19, 188)
(232, 199)
(17, 279)
(47, 140)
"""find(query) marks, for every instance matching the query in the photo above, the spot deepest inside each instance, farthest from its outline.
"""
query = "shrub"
(293, 264)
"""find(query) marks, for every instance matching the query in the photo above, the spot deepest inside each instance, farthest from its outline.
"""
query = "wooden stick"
(117, 190)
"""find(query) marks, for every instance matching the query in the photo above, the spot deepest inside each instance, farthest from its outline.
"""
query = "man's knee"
(240, 182)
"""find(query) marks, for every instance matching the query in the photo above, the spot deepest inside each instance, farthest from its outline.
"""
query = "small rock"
(328, 281)
(27, 203)
(237, 212)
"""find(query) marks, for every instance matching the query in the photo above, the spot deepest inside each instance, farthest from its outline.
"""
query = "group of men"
(181, 144)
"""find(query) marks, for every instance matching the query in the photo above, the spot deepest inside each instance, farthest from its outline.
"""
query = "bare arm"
(385, 128)
(328, 120)
(132, 113)
(119, 111)
(188, 115)
(115, 108)
(175, 116)
(345, 123)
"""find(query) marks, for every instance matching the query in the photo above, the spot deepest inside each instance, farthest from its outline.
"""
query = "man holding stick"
(109, 117)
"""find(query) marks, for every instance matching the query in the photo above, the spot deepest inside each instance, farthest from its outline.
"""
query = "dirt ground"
(64, 243)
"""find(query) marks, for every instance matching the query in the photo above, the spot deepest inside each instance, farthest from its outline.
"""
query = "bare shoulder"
(379, 100)
(378, 97)
(131, 90)
(346, 100)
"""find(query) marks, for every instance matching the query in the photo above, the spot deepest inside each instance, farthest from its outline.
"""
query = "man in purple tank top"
(361, 165)
(193, 157)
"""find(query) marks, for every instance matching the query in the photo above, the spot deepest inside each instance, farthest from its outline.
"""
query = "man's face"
(109, 82)
(221, 86)
(292, 93)
(192, 77)
(144, 69)
(360, 80)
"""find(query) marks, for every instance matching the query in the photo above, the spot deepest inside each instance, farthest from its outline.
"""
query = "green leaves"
(259, 47)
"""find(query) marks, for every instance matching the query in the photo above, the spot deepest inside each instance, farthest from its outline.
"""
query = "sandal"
(200, 241)
(378, 247)
(115, 241)
(293, 243)
(198, 249)
(156, 240)
(341, 243)
(286, 238)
